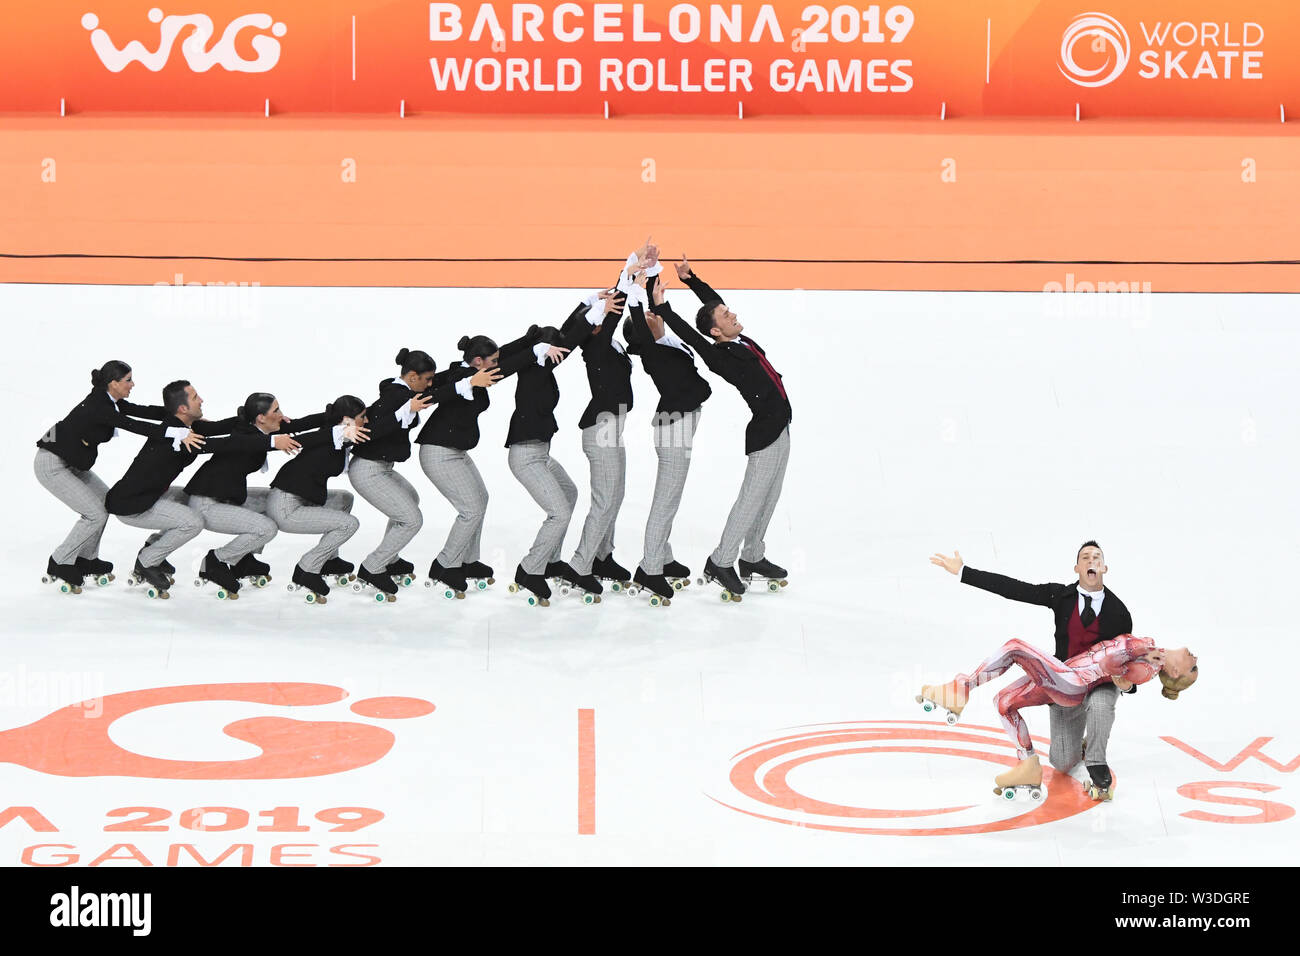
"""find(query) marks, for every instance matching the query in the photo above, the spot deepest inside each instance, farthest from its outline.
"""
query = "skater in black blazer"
(445, 442)
(1086, 612)
(219, 491)
(301, 502)
(739, 360)
(67, 452)
(372, 470)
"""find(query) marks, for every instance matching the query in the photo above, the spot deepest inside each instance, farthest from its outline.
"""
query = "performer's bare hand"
(657, 294)
(193, 441)
(1122, 684)
(613, 303)
(555, 353)
(1156, 657)
(683, 269)
(952, 565)
(355, 433)
(286, 443)
(485, 378)
(420, 402)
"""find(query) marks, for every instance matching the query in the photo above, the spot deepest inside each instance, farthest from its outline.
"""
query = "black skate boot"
(254, 571)
(764, 570)
(340, 570)
(69, 575)
(169, 569)
(155, 580)
(531, 582)
(101, 572)
(558, 572)
(678, 574)
(657, 584)
(314, 584)
(610, 570)
(479, 573)
(586, 584)
(1101, 787)
(383, 583)
(219, 573)
(732, 586)
(401, 571)
(451, 580)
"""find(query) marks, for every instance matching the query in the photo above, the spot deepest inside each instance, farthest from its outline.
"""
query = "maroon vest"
(1081, 638)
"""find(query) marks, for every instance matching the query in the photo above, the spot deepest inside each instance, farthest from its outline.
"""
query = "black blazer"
(224, 476)
(76, 439)
(737, 364)
(609, 371)
(1112, 621)
(681, 388)
(537, 393)
(307, 473)
(390, 440)
(157, 465)
(454, 423)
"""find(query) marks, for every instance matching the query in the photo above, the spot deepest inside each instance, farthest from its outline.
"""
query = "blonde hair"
(1172, 688)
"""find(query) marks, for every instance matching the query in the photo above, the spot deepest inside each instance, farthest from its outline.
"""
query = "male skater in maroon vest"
(1086, 612)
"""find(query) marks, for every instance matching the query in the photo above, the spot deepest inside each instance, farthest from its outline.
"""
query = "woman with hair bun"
(372, 472)
(66, 454)
(300, 501)
(1126, 660)
(445, 443)
(219, 490)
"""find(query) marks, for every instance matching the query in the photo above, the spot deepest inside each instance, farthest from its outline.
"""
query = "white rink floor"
(1011, 427)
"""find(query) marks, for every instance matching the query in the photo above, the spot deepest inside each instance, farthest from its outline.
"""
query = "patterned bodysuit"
(1050, 681)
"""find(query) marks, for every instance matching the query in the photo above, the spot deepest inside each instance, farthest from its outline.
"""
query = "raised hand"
(485, 378)
(952, 565)
(286, 443)
(683, 269)
(613, 303)
(657, 294)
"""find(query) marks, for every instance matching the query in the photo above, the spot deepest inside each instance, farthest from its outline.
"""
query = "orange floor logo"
(74, 741)
(761, 775)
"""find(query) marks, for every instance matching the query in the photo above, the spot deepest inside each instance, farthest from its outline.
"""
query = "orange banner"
(1185, 58)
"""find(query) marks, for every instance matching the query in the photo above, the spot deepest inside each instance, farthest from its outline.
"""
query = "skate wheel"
(222, 594)
(616, 587)
(358, 586)
(45, 579)
(407, 581)
(481, 585)
(1009, 793)
(198, 583)
(103, 580)
(773, 586)
(262, 581)
(532, 600)
(449, 594)
(343, 580)
(429, 583)
(700, 581)
(381, 597)
(291, 588)
(1036, 794)
(64, 587)
(154, 592)
(927, 706)
(311, 597)
(726, 595)
(564, 590)
(952, 719)
(589, 599)
(513, 588)
(131, 581)
(677, 585)
(655, 601)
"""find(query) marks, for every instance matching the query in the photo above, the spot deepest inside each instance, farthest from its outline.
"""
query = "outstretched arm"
(696, 284)
(999, 584)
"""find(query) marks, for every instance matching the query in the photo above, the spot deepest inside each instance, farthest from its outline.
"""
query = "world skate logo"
(74, 741)
(195, 46)
(1106, 35)
(837, 777)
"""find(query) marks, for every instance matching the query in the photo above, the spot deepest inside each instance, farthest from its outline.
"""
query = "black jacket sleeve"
(223, 427)
(703, 347)
(702, 289)
(1010, 588)
(576, 329)
(153, 413)
(305, 424)
(118, 419)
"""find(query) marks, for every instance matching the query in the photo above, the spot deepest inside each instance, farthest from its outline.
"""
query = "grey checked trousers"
(1092, 719)
(549, 484)
(750, 515)
(174, 520)
(674, 435)
(332, 521)
(380, 484)
(602, 443)
(83, 492)
(456, 477)
(253, 530)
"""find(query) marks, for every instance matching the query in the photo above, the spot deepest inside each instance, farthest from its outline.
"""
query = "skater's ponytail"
(259, 403)
(476, 346)
(415, 361)
(345, 406)
(113, 371)
(1172, 688)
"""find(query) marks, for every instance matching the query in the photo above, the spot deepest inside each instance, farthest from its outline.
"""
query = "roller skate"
(401, 571)
(384, 584)
(657, 584)
(255, 572)
(156, 582)
(948, 697)
(607, 569)
(535, 583)
(732, 586)
(1102, 786)
(678, 574)
(341, 571)
(67, 576)
(451, 580)
(1025, 778)
(313, 584)
(216, 571)
(586, 585)
(478, 574)
(764, 570)
(101, 572)
(169, 569)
